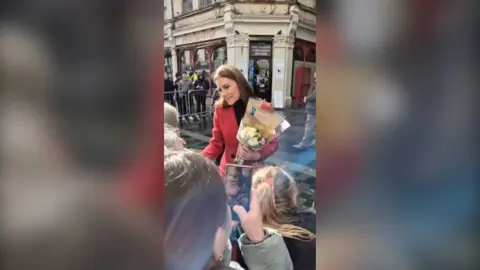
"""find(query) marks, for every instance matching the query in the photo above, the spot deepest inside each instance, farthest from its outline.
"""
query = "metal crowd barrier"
(191, 104)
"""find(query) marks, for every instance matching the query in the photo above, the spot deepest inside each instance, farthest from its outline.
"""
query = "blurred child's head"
(231, 170)
(278, 200)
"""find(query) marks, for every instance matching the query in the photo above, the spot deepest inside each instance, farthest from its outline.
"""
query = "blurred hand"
(305, 100)
(251, 221)
(247, 154)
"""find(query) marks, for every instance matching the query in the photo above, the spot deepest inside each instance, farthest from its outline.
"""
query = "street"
(301, 164)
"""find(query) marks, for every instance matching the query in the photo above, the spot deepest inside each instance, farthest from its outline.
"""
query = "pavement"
(300, 163)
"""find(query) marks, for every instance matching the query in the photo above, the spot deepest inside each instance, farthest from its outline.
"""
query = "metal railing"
(191, 104)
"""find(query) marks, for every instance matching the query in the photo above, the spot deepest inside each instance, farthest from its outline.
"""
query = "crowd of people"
(199, 231)
(179, 92)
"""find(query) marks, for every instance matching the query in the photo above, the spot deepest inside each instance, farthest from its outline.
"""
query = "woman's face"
(246, 172)
(228, 90)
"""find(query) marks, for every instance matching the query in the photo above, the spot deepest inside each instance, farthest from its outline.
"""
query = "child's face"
(231, 171)
(246, 172)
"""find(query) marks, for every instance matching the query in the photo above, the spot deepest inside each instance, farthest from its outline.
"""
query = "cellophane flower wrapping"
(258, 128)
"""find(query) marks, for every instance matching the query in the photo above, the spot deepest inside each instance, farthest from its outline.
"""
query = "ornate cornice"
(282, 41)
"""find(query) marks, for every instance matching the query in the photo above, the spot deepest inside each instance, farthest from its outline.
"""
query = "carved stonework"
(228, 19)
(292, 27)
(171, 38)
(196, 36)
(282, 41)
(230, 41)
(290, 42)
(241, 40)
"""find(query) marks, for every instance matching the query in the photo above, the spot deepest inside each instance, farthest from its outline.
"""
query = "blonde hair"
(277, 193)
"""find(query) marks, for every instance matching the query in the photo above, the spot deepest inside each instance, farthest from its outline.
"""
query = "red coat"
(224, 132)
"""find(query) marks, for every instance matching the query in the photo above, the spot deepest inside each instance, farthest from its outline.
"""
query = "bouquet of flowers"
(259, 126)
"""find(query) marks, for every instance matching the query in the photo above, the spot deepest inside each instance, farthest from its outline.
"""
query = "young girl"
(278, 200)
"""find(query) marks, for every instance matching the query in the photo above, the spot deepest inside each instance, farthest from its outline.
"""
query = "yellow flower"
(248, 132)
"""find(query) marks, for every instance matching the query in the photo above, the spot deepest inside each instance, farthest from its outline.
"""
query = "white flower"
(253, 142)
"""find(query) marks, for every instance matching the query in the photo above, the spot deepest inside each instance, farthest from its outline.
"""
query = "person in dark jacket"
(201, 96)
(169, 90)
(278, 199)
(310, 124)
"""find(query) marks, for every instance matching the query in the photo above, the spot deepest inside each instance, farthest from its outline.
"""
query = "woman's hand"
(251, 221)
(247, 154)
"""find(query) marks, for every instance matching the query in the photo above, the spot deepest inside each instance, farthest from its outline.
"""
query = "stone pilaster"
(283, 62)
(173, 50)
(237, 44)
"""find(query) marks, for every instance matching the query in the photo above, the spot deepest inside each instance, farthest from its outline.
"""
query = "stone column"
(289, 46)
(279, 71)
(237, 44)
(173, 50)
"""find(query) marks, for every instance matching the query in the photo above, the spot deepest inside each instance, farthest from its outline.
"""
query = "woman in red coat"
(229, 110)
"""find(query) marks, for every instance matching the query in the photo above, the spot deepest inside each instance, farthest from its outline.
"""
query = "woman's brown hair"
(233, 73)
(277, 193)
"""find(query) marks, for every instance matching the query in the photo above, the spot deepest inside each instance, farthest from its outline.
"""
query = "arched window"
(186, 61)
(168, 64)
(219, 57)
(201, 62)
(311, 56)
(298, 54)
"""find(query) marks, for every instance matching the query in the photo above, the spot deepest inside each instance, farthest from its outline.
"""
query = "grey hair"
(172, 140)
(170, 115)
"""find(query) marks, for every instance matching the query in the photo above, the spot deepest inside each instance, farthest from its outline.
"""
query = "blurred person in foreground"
(170, 115)
(198, 220)
(278, 194)
(172, 120)
(229, 111)
(308, 139)
(171, 139)
(56, 225)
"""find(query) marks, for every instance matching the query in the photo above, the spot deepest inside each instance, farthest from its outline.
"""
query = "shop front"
(260, 68)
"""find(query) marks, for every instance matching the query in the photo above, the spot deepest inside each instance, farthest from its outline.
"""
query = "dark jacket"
(303, 253)
(202, 84)
(310, 105)
(215, 97)
(169, 87)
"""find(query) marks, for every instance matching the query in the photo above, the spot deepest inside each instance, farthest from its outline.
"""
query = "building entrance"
(260, 69)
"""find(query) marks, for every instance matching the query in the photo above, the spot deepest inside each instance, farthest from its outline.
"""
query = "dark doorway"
(260, 69)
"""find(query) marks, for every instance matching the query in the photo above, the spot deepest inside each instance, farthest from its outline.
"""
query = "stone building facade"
(271, 42)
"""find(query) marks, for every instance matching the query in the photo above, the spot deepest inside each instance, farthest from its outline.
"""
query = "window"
(311, 56)
(186, 61)
(205, 3)
(201, 62)
(168, 64)
(219, 57)
(187, 5)
(298, 54)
